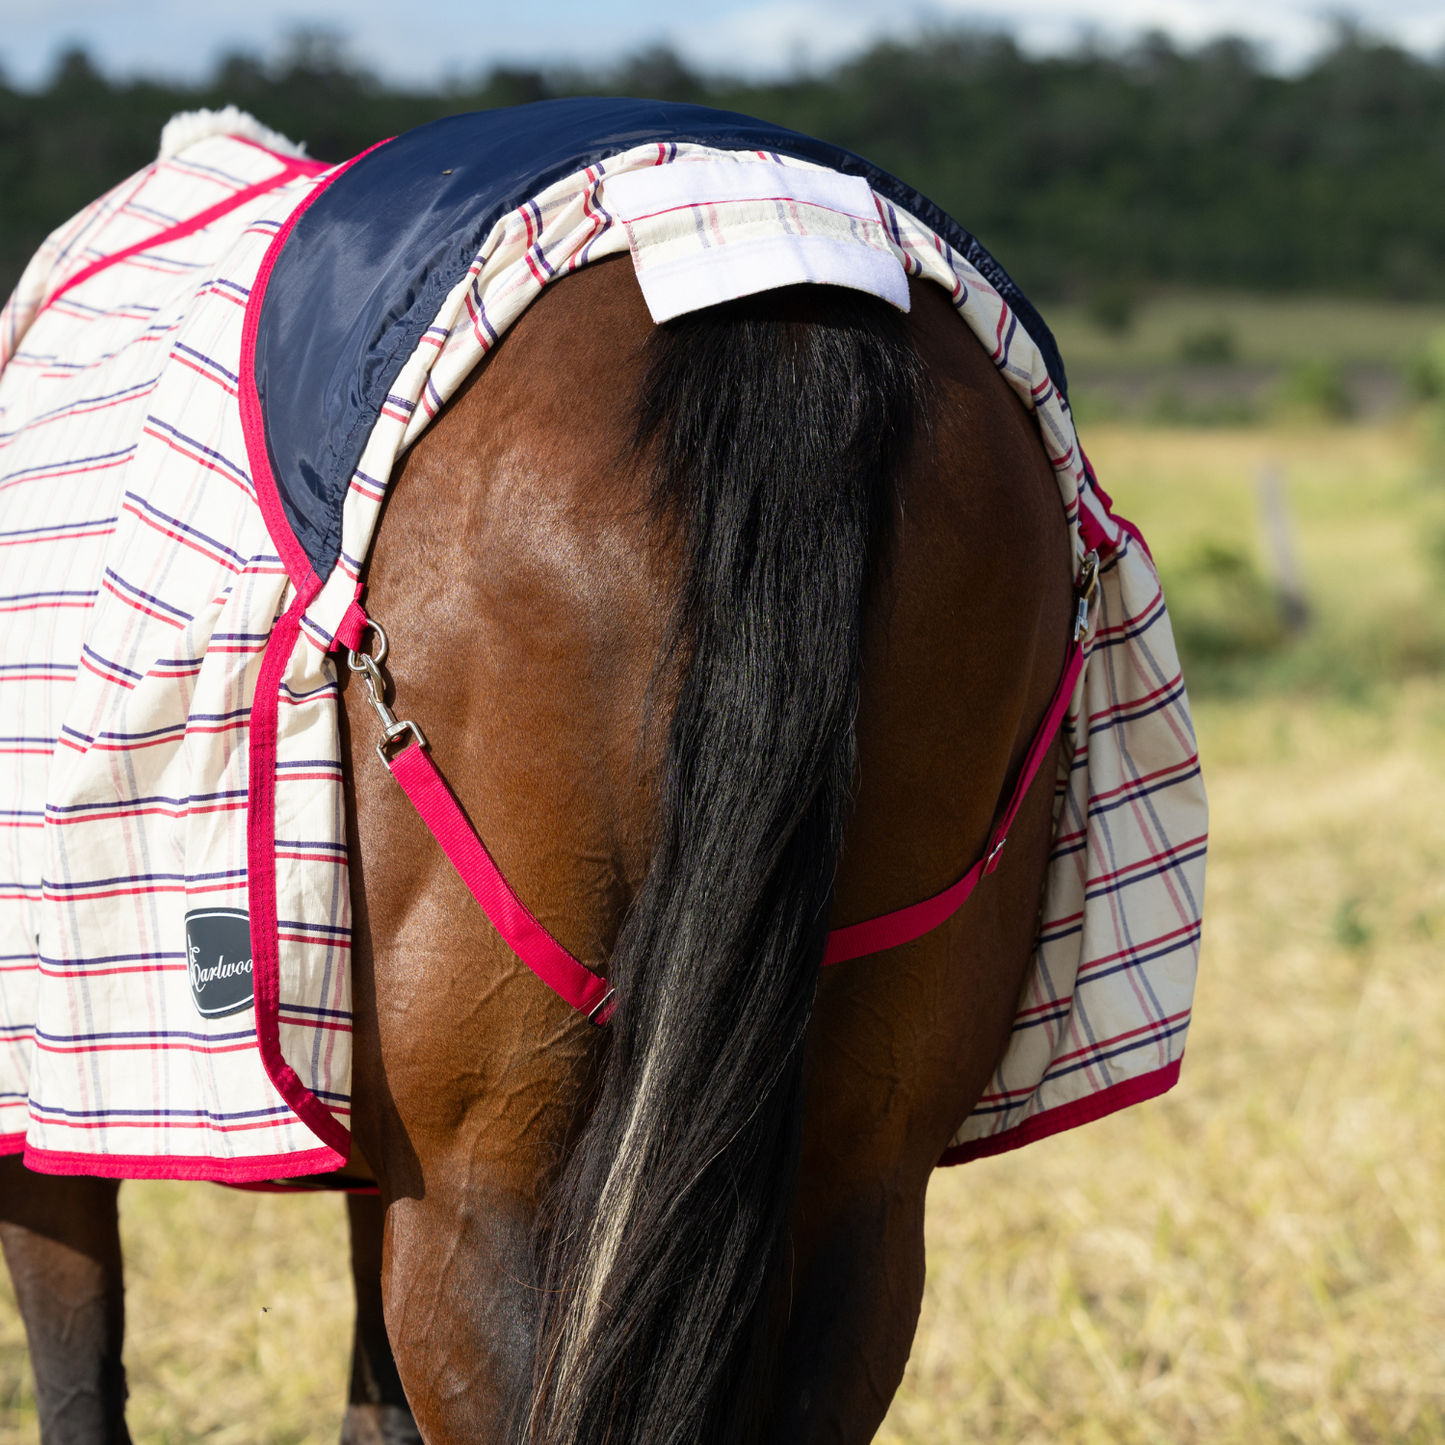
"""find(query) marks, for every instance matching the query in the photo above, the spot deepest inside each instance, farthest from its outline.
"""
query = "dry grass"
(238, 1320)
(1255, 1258)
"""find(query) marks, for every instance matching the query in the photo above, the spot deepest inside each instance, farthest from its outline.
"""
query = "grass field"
(1258, 1257)
(1264, 330)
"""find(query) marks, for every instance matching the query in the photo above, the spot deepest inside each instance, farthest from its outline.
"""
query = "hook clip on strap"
(589, 993)
(1084, 590)
(393, 728)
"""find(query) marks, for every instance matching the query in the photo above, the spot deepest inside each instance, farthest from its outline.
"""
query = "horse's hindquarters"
(965, 644)
(528, 600)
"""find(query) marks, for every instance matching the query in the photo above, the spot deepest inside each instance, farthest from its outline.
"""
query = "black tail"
(781, 423)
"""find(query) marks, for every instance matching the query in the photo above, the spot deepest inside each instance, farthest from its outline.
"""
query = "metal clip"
(1084, 590)
(392, 727)
(603, 1006)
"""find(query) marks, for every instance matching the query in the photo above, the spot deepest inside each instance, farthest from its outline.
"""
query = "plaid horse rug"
(206, 380)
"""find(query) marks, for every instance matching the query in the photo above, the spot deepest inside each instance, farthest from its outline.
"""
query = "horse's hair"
(780, 424)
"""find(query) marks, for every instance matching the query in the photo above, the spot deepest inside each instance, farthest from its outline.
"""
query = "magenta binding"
(255, 1167)
(1068, 1116)
(261, 800)
(423, 783)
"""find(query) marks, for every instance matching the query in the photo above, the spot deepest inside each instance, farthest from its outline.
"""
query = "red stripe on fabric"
(904, 925)
(60, 537)
(199, 460)
(1097, 1046)
(1175, 938)
(1167, 856)
(12, 1143)
(253, 423)
(324, 1024)
(261, 884)
(183, 1166)
(552, 963)
(1068, 1116)
(289, 171)
(144, 1046)
(205, 372)
(124, 461)
(305, 164)
(49, 607)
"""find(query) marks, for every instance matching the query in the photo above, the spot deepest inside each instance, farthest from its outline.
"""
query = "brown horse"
(624, 577)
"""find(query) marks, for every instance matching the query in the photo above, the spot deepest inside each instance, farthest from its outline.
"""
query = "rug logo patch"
(218, 961)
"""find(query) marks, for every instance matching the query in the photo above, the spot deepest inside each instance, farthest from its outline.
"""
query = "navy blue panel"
(366, 269)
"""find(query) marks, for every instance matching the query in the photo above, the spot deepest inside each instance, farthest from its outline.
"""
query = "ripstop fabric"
(195, 442)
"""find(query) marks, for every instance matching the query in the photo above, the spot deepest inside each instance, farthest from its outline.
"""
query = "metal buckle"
(1084, 590)
(598, 1007)
(393, 728)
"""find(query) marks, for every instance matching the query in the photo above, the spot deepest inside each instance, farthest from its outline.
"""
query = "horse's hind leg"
(61, 1238)
(377, 1412)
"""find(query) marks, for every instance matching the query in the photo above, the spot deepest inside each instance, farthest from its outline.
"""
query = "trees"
(1088, 174)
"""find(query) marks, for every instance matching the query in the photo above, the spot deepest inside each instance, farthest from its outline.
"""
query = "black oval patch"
(218, 961)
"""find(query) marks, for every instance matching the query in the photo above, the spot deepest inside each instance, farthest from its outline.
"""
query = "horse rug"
(206, 380)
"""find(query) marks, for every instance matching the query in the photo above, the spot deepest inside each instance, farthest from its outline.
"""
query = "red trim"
(261, 796)
(290, 169)
(253, 423)
(261, 882)
(1068, 1116)
(441, 812)
(307, 164)
(181, 1166)
(12, 1143)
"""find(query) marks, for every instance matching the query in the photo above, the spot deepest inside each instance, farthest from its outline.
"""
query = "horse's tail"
(780, 424)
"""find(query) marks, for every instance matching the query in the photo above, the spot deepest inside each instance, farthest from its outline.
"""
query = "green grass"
(1368, 517)
(1280, 331)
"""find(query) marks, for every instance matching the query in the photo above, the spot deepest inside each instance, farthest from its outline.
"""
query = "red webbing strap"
(588, 992)
(563, 974)
(873, 935)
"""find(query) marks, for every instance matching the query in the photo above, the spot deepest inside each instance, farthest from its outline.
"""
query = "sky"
(181, 39)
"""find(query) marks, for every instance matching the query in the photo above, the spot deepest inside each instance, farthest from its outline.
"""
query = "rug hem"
(1067, 1116)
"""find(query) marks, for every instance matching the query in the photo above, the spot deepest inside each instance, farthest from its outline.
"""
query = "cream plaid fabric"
(139, 589)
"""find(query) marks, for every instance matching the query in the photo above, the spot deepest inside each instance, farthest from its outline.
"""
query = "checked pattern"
(139, 587)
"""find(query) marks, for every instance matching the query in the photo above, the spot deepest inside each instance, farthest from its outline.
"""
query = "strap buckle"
(1084, 590)
(603, 1006)
(393, 728)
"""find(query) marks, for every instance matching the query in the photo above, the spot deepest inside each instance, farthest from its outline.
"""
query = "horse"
(733, 631)
(665, 756)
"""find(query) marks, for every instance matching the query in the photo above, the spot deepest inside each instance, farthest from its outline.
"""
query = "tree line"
(1095, 175)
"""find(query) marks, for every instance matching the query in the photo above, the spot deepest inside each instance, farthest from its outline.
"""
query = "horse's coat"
(182, 539)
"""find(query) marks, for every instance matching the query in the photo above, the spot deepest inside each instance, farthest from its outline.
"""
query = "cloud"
(177, 38)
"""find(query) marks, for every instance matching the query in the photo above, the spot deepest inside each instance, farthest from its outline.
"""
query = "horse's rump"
(189, 545)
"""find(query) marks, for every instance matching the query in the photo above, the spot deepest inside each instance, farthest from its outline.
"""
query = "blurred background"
(1233, 215)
